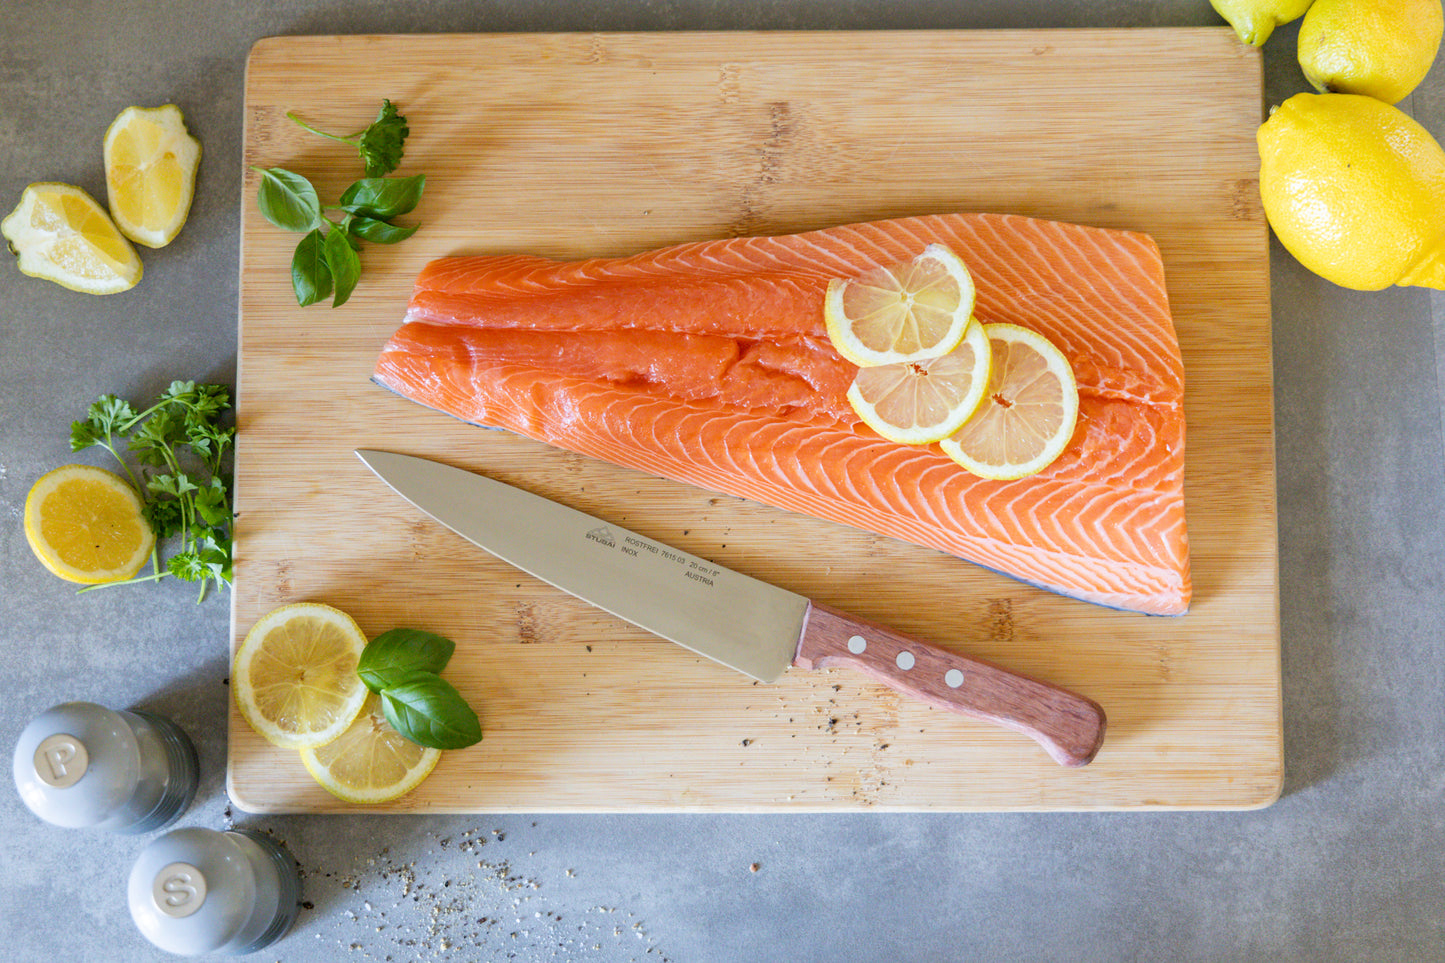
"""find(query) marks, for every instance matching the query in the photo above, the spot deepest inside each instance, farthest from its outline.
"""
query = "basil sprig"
(403, 666)
(326, 263)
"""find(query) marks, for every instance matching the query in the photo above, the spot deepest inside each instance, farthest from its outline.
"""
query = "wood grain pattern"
(577, 145)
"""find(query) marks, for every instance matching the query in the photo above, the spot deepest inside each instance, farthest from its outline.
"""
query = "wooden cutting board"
(600, 144)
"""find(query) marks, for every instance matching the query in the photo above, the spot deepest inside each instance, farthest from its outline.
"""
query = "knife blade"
(732, 618)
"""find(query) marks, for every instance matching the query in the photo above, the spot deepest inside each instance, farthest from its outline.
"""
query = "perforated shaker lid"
(76, 764)
(192, 891)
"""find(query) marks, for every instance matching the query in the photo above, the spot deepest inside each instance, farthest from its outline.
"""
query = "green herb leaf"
(378, 232)
(381, 142)
(164, 517)
(179, 496)
(288, 200)
(345, 265)
(426, 709)
(393, 655)
(84, 434)
(319, 267)
(310, 274)
(212, 504)
(383, 197)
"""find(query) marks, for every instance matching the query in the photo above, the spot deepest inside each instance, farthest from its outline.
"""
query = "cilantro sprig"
(180, 449)
(327, 263)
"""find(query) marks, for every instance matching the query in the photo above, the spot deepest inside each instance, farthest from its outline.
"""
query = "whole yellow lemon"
(1255, 20)
(1381, 48)
(1355, 190)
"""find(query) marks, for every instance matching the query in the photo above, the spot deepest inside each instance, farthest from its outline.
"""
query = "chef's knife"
(746, 624)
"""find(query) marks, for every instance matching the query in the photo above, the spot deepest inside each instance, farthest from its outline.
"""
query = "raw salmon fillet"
(709, 363)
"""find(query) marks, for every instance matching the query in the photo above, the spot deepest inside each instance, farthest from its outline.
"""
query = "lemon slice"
(61, 234)
(150, 173)
(919, 402)
(903, 312)
(85, 525)
(295, 675)
(1028, 412)
(370, 762)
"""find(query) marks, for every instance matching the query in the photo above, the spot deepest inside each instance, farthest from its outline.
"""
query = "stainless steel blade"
(737, 620)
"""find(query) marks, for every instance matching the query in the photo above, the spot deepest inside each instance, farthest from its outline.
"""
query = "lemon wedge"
(370, 762)
(85, 525)
(920, 402)
(150, 173)
(295, 675)
(912, 311)
(1028, 412)
(61, 234)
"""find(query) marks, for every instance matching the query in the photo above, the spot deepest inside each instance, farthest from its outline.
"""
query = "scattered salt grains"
(451, 904)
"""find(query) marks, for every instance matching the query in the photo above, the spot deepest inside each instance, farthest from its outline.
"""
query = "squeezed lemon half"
(61, 234)
(150, 173)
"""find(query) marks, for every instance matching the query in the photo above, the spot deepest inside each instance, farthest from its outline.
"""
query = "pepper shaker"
(81, 765)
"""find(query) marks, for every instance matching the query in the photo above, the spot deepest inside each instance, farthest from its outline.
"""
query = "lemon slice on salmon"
(85, 525)
(920, 402)
(61, 234)
(295, 675)
(912, 311)
(370, 762)
(1029, 409)
(150, 173)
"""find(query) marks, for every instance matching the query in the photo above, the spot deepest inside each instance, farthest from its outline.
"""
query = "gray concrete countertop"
(1349, 864)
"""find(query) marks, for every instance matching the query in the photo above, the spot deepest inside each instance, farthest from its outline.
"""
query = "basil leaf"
(378, 232)
(310, 275)
(393, 655)
(288, 200)
(345, 265)
(426, 709)
(383, 197)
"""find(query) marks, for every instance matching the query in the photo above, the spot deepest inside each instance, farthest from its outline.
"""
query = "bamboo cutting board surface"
(579, 145)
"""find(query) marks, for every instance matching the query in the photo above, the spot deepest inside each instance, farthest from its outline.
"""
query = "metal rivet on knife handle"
(1068, 726)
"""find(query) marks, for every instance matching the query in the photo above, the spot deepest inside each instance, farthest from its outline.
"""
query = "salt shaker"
(81, 765)
(195, 891)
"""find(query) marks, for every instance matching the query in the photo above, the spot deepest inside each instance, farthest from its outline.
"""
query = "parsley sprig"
(379, 143)
(180, 448)
(326, 263)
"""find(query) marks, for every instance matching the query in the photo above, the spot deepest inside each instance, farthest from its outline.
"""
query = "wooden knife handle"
(1068, 726)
